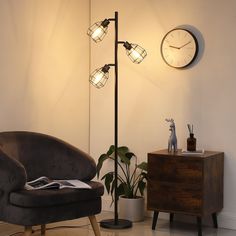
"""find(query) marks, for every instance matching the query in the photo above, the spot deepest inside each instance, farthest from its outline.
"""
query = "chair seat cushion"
(54, 197)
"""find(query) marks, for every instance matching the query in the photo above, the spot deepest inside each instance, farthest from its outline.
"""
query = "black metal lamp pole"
(116, 223)
(116, 118)
(99, 78)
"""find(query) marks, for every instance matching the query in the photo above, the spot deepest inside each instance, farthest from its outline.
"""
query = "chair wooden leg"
(28, 231)
(95, 226)
(43, 229)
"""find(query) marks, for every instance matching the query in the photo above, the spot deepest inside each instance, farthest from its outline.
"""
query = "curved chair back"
(44, 155)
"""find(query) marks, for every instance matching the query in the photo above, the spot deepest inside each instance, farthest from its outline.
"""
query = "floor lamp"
(98, 78)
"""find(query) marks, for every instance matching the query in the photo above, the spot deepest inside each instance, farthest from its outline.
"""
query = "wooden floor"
(139, 229)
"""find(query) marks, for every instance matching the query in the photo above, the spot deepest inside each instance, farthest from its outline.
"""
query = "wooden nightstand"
(185, 184)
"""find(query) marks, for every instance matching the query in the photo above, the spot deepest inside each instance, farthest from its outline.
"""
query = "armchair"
(25, 156)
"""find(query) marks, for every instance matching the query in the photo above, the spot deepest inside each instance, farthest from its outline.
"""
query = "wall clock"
(179, 48)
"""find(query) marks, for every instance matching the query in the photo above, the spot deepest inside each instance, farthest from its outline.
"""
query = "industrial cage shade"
(135, 53)
(98, 30)
(100, 76)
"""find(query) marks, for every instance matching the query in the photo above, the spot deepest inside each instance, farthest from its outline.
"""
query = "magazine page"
(42, 178)
(45, 183)
(73, 183)
(41, 183)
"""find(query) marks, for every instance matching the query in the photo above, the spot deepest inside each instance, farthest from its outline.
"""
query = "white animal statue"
(172, 142)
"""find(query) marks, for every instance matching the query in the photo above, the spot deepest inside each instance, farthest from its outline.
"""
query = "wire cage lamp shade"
(98, 30)
(100, 76)
(135, 52)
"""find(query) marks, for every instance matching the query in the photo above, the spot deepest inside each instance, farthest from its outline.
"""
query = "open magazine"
(46, 183)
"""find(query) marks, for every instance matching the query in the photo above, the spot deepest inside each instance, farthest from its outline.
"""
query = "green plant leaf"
(108, 180)
(144, 175)
(141, 187)
(124, 159)
(111, 150)
(131, 181)
(101, 159)
(142, 166)
(120, 190)
(112, 190)
(122, 150)
(128, 191)
(129, 155)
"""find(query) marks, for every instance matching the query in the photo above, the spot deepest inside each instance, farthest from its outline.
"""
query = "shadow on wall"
(200, 39)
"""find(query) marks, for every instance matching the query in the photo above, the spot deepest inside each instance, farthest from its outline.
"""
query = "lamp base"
(121, 224)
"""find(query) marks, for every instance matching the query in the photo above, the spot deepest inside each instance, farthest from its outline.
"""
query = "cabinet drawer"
(165, 196)
(175, 170)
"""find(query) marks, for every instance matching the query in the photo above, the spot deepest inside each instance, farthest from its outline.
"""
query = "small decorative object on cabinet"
(191, 141)
(185, 184)
(172, 142)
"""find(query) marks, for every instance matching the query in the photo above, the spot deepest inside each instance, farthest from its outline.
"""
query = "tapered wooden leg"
(43, 229)
(171, 217)
(199, 226)
(28, 231)
(214, 218)
(154, 220)
(95, 226)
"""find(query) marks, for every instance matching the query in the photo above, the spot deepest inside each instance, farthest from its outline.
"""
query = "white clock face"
(179, 48)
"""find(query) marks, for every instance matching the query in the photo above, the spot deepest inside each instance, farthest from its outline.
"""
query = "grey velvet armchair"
(25, 156)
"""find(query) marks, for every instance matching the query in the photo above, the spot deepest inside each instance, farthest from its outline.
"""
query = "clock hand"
(185, 44)
(173, 47)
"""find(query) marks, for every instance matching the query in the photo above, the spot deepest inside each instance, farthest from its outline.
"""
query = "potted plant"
(131, 182)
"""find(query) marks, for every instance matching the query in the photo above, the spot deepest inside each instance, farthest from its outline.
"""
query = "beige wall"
(44, 64)
(203, 94)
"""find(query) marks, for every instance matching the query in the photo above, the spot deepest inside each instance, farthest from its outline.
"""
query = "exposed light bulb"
(98, 30)
(97, 77)
(100, 76)
(97, 33)
(135, 52)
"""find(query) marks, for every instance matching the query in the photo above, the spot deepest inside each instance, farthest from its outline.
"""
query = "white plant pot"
(131, 209)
